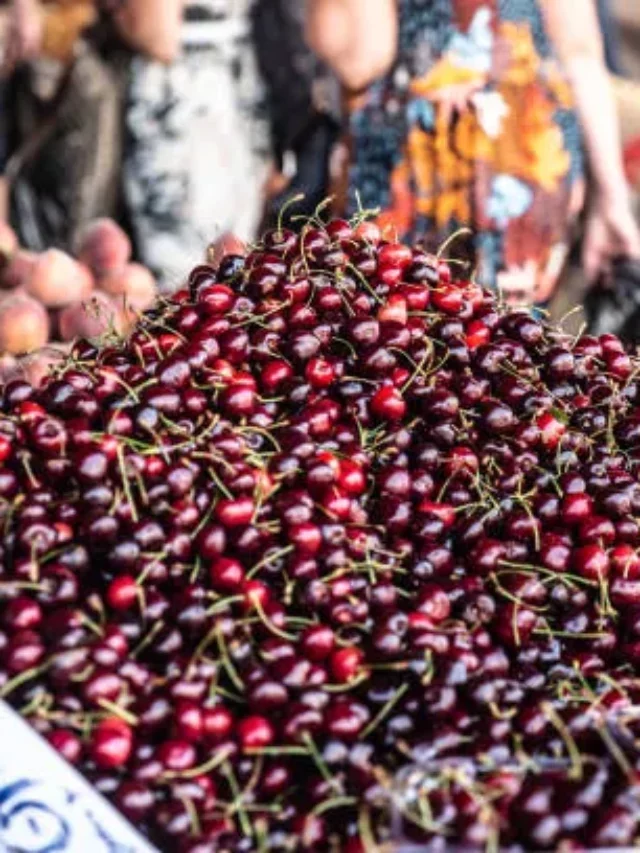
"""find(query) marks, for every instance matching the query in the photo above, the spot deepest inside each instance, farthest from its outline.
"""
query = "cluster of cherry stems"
(333, 551)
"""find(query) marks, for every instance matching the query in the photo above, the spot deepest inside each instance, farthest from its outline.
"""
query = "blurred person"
(196, 144)
(304, 110)
(474, 113)
(610, 37)
(183, 151)
(34, 30)
(65, 121)
(45, 28)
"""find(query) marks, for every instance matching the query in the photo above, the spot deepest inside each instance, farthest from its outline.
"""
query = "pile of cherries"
(333, 551)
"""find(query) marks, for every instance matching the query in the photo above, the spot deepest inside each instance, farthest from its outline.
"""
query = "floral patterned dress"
(474, 126)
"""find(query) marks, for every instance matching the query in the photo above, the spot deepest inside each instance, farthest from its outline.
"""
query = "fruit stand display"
(49, 299)
(331, 551)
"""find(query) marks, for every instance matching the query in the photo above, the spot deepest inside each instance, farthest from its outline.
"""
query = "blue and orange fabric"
(474, 126)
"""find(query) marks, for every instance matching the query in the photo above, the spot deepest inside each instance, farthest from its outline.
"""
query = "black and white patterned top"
(197, 144)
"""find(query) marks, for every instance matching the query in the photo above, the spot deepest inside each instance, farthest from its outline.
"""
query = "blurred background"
(137, 133)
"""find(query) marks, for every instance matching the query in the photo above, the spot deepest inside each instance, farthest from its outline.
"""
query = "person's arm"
(611, 229)
(24, 33)
(46, 30)
(356, 38)
(151, 27)
(62, 24)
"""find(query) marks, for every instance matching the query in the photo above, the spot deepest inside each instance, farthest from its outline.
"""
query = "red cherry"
(395, 255)
(598, 529)
(5, 448)
(223, 370)
(255, 732)
(227, 575)
(311, 831)
(444, 272)
(331, 460)
(611, 344)
(30, 412)
(444, 512)
(486, 556)
(576, 508)
(434, 603)
(551, 430)
(216, 299)
(306, 538)
(256, 595)
(390, 275)
(22, 614)
(516, 624)
(320, 373)
(177, 755)
(109, 445)
(591, 561)
(168, 341)
(336, 504)
(111, 743)
(67, 743)
(64, 532)
(235, 512)
(123, 593)
(419, 622)
(340, 230)
(388, 403)
(188, 720)
(238, 400)
(318, 642)
(625, 592)
(275, 374)
(477, 334)
(555, 553)
(394, 311)
(619, 365)
(369, 232)
(352, 478)
(416, 296)
(400, 377)
(217, 723)
(462, 459)
(625, 562)
(345, 663)
(474, 295)
(449, 299)
(241, 377)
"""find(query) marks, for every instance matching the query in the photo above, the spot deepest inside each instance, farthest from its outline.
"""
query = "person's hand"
(25, 31)
(611, 232)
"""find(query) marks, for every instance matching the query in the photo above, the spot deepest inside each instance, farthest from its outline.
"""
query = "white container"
(46, 805)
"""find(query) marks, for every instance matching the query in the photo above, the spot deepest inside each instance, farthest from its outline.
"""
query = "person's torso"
(477, 29)
(215, 21)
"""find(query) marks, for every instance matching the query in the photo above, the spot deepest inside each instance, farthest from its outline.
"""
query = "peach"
(24, 324)
(104, 246)
(56, 280)
(37, 366)
(8, 367)
(93, 318)
(226, 244)
(19, 269)
(8, 242)
(87, 280)
(133, 284)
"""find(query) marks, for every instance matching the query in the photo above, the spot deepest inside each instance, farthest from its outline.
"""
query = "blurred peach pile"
(49, 299)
